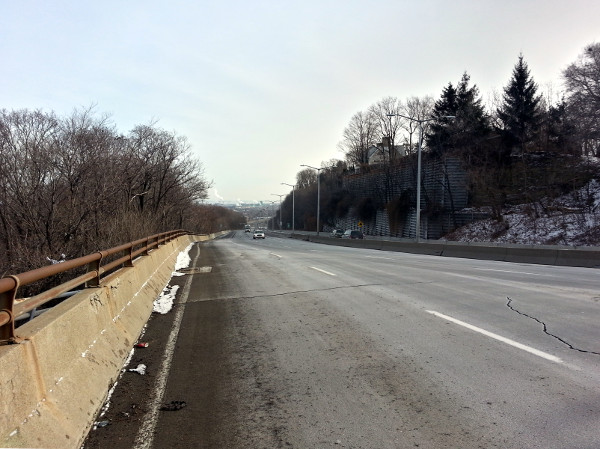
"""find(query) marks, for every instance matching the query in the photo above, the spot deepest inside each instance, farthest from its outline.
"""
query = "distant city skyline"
(260, 88)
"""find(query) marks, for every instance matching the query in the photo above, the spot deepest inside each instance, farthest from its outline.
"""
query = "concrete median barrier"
(480, 251)
(535, 254)
(578, 257)
(56, 380)
(543, 255)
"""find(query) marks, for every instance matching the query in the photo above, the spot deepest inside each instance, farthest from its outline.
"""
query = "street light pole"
(318, 193)
(272, 211)
(418, 219)
(293, 205)
(420, 122)
(277, 194)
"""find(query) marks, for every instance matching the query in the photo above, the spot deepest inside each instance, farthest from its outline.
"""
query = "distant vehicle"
(258, 234)
(337, 233)
(350, 234)
(247, 228)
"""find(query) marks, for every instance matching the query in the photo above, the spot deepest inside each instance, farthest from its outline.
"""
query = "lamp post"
(318, 193)
(293, 204)
(273, 212)
(277, 194)
(420, 122)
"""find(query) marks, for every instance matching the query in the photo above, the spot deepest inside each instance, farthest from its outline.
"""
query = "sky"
(259, 87)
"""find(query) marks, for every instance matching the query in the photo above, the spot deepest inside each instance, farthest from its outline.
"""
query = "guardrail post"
(94, 266)
(7, 299)
(146, 252)
(128, 252)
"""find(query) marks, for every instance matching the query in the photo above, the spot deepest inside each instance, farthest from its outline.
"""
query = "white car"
(258, 234)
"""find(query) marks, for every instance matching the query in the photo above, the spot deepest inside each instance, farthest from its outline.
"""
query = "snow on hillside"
(573, 220)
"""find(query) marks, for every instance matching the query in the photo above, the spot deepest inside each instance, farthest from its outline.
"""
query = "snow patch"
(164, 303)
(183, 260)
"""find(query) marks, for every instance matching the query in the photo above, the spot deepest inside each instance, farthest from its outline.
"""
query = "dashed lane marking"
(323, 271)
(500, 338)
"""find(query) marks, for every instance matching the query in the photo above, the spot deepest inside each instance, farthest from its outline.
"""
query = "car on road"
(352, 234)
(258, 234)
(247, 228)
(337, 233)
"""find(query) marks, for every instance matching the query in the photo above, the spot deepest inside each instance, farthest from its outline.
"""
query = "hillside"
(573, 220)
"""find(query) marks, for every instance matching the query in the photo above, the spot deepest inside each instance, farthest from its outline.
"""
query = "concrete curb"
(56, 381)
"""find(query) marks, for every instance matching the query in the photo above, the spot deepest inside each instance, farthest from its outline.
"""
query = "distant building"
(378, 154)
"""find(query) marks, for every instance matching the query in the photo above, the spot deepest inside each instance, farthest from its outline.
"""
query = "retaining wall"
(56, 380)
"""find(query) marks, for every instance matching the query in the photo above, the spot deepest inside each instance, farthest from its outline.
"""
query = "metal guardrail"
(11, 307)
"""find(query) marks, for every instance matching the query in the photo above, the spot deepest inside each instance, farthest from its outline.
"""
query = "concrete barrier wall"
(56, 380)
(537, 254)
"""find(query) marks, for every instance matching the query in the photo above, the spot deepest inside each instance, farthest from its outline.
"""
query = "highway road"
(282, 343)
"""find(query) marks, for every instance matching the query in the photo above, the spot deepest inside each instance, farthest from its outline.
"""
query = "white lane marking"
(323, 271)
(508, 341)
(145, 436)
(276, 255)
(377, 257)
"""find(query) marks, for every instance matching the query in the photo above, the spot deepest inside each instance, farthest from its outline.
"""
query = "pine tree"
(520, 115)
(460, 123)
(439, 137)
(561, 131)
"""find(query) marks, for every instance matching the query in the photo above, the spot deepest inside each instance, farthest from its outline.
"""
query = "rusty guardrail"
(11, 307)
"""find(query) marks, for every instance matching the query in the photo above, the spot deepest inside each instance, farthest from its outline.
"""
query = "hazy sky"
(260, 87)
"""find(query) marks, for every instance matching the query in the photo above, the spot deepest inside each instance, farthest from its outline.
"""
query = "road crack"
(316, 290)
(562, 340)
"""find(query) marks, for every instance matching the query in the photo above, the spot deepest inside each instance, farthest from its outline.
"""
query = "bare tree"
(360, 134)
(306, 177)
(73, 185)
(417, 108)
(582, 81)
(388, 124)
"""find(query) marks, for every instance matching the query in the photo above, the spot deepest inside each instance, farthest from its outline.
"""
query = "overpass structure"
(60, 366)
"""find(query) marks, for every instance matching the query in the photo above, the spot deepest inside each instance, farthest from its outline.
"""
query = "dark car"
(350, 234)
(337, 233)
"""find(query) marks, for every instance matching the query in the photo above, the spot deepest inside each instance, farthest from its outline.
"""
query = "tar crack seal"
(546, 329)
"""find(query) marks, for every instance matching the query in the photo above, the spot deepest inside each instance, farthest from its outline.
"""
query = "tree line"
(73, 185)
(520, 147)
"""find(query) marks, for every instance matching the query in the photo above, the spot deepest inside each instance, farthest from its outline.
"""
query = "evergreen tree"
(459, 123)
(561, 132)
(439, 137)
(520, 115)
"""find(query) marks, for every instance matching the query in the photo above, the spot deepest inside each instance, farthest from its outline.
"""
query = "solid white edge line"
(323, 271)
(508, 341)
(145, 435)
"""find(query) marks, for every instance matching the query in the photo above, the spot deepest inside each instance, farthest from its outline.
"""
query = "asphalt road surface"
(282, 343)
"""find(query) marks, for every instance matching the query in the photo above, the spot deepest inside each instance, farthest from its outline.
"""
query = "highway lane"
(286, 343)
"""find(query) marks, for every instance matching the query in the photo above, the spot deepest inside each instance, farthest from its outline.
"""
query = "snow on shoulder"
(183, 260)
(164, 303)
